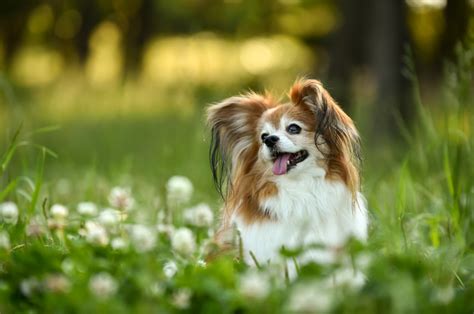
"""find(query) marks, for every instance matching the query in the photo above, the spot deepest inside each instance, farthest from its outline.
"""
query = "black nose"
(271, 140)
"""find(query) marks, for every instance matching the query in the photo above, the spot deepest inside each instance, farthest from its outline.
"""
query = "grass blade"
(38, 182)
(8, 155)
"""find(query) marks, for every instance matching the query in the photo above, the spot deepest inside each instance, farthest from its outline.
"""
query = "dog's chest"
(305, 212)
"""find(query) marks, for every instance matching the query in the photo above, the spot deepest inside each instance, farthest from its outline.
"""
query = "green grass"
(420, 190)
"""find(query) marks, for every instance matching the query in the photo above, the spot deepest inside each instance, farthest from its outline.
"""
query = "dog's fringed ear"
(233, 124)
(336, 136)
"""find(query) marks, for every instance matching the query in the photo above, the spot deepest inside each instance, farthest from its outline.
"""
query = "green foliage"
(419, 257)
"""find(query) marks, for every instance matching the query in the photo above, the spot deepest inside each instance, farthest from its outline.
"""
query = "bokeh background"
(117, 88)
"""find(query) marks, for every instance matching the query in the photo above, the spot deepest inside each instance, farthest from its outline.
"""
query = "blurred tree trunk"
(388, 36)
(348, 48)
(456, 16)
(372, 36)
(90, 19)
(138, 33)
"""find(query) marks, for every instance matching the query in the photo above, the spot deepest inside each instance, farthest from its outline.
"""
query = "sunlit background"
(125, 82)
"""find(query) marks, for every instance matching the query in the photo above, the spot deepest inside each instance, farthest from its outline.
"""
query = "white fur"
(310, 210)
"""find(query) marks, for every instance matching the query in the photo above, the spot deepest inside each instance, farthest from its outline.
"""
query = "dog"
(288, 174)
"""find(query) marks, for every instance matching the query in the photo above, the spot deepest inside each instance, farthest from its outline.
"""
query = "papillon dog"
(288, 173)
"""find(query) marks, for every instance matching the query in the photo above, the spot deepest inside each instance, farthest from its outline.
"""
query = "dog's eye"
(263, 136)
(293, 129)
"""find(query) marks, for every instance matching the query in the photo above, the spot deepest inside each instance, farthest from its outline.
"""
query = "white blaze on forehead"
(285, 121)
(268, 128)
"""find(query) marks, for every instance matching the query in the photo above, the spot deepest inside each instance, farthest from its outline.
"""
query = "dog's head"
(256, 141)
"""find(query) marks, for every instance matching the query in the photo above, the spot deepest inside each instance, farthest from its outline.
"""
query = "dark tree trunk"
(456, 16)
(348, 48)
(90, 19)
(388, 36)
(139, 32)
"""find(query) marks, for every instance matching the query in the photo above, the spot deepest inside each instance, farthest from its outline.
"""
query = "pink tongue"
(280, 166)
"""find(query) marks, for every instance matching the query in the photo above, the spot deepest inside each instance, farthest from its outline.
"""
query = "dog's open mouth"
(283, 162)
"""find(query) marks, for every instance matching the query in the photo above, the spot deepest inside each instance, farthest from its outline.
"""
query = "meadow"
(114, 212)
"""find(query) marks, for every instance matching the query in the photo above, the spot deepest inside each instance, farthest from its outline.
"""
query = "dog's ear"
(335, 136)
(233, 124)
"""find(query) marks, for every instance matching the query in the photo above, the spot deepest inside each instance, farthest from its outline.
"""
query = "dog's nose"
(271, 140)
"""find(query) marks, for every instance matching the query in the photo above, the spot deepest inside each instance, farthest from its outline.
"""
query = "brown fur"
(336, 129)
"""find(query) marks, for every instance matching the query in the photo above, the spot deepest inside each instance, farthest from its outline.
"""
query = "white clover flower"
(201, 263)
(87, 209)
(254, 285)
(170, 269)
(9, 212)
(29, 286)
(179, 190)
(35, 227)
(444, 295)
(311, 297)
(199, 216)
(59, 211)
(118, 244)
(109, 217)
(181, 299)
(143, 238)
(4, 240)
(57, 283)
(121, 198)
(183, 241)
(103, 285)
(67, 266)
(96, 234)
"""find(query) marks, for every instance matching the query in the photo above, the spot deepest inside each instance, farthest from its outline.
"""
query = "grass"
(419, 257)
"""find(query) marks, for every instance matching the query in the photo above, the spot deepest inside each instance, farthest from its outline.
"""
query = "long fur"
(322, 192)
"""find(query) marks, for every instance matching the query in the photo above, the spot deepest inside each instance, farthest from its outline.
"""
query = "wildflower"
(170, 269)
(55, 224)
(35, 227)
(4, 240)
(121, 198)
(109, 217)
(444, 295)
(57, 283)
(179, 190)
(67, 266)
(59, 212)
(103, 285)
(181, 299)
(199, 216)
(310, 298)
(96, 234)
(201, 263)
(9, 212)
(29, 286)
(118, 244)
(87, 209)
(183, 241)
(143, 238)
(254, 285)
